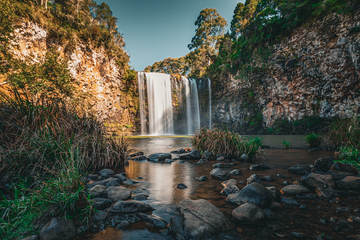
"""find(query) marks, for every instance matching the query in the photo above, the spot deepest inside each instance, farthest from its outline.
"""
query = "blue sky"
(158, 29)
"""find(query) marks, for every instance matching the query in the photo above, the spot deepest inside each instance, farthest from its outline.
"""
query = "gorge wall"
(314, 72)
(98, 75)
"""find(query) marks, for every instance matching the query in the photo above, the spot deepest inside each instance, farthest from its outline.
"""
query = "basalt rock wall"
(314, 72)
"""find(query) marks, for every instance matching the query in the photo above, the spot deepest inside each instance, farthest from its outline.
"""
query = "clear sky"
(158, 29)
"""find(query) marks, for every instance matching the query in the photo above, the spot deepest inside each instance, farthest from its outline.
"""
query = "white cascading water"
(209, 86)
(160, 104)
(188, 106)
(195, 105)
(141, 76)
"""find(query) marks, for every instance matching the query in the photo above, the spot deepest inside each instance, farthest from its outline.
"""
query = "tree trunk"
(46, 4)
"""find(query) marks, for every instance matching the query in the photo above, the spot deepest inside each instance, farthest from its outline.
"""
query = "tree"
(236, 21)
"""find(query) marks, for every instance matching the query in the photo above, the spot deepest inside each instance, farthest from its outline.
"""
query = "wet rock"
(242, 183)
(289, 201)
(193, 155)
(282, 176)
(235, 172)
(107, 172)
(220, 159)
(253, 178)
(274, 193)
(285, 183)
(353, 237)
(100, 215)
(219, 165)
(228, 183)
(231, 198)
(275, 206)
(58, 229)
(140, 197)
(254, 193)
(130, 206)
(203, 178)
(248, 213)
(181, 161)
(279, 235)
(322, 165)
(127, 163)
(324, 192)
(219, 174)
(154, 220)
(168, 161)
(102, 182)
(299, 170)
(165, 232)
(208, 155)
(355, 219)
(100, 203)
(159, 157)
(315, 180)
(293, 190)
(296, 182)
(33, 237)
(244, 158)
(202, 161)
(349, 183)
(140, 191)
(258, 167)
(339, 175)
(118, 193)
(297, 235)
(179, 151)
(130, 182)
(98, 191)
(123, 224)
(113, 182)
(136, 154)
(181, 186)
(342, 209)
(121, 177)
(267, 178)
(93, 177)
(230, 190)
(198, 219)
(323, 221)
(303, 206)
(343, 167)
(140, 158)
(269, 214)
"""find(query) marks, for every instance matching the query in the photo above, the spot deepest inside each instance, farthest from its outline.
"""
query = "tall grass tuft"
(345, 132)
(220, 141)
(313, 140)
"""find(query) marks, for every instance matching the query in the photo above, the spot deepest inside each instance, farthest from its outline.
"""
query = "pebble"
(181, 186)
(181, 161)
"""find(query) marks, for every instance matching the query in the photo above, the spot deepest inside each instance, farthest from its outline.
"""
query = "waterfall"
(159, 103)
(172, 106)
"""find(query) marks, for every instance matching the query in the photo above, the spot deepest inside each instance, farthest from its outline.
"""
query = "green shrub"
(219, 141)
(350, 155)
(313, 140)
(286, 144)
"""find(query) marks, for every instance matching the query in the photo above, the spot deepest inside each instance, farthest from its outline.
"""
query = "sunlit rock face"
(315, 71)
(98, 75)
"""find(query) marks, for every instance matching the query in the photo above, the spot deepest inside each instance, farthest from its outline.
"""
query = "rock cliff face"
(314, 72)
(98, 75)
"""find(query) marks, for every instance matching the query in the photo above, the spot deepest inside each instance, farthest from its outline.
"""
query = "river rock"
(100, 203)
(130, 182)
(267, 178)
(219, 174)
(107, 172)
(193, 155)
(159, 157)
(33, 237)
(253, 178)
(121, 177)
(289, 201)
(299, 170)
(235, 172)
(113, 182)
(58, 229)
(219, 165)
(231, 198)
(344, 167)
(353, 237)
(322, 165)
(98, 191)
(208, 155)
(314, 180)
(100, 215)
(154, 220)
(349, 183)
(140, 158)
(203, 178)
(275, 193)
(130, 206)
(179, 151)
(202, 161)
(181, 186)
(228, 183)
(118, 193)
(230, 190)
(293, 190)
(254, 193)
(102, 182)
(258, 167)
(198, 220)
(338, 175)
(248, 213)
(136, 154)
(324, 192)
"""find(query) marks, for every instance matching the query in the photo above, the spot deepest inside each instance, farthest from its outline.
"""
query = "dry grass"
(233, 145)
(345, 132)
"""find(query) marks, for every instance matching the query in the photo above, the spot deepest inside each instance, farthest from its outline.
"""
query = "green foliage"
(286, 144)
(218, 141)
(170, 66)
(354, 30)
(350, 155)
(313, 140)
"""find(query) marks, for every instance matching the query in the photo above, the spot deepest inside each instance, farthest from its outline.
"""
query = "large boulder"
(344, 168)
(153, 220)
(314, 180)
(253, 178)
(349, 183)
(338, 175)
(118, 193)
(322, 165)
(159, 157)
(293, 190)
(274, 192)
(130, 206)
(248, 213)
(58, 229)
(198, 219)
(219, 174)
(193, 155)
(98, 191)
(254, 193)
(230, 190)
